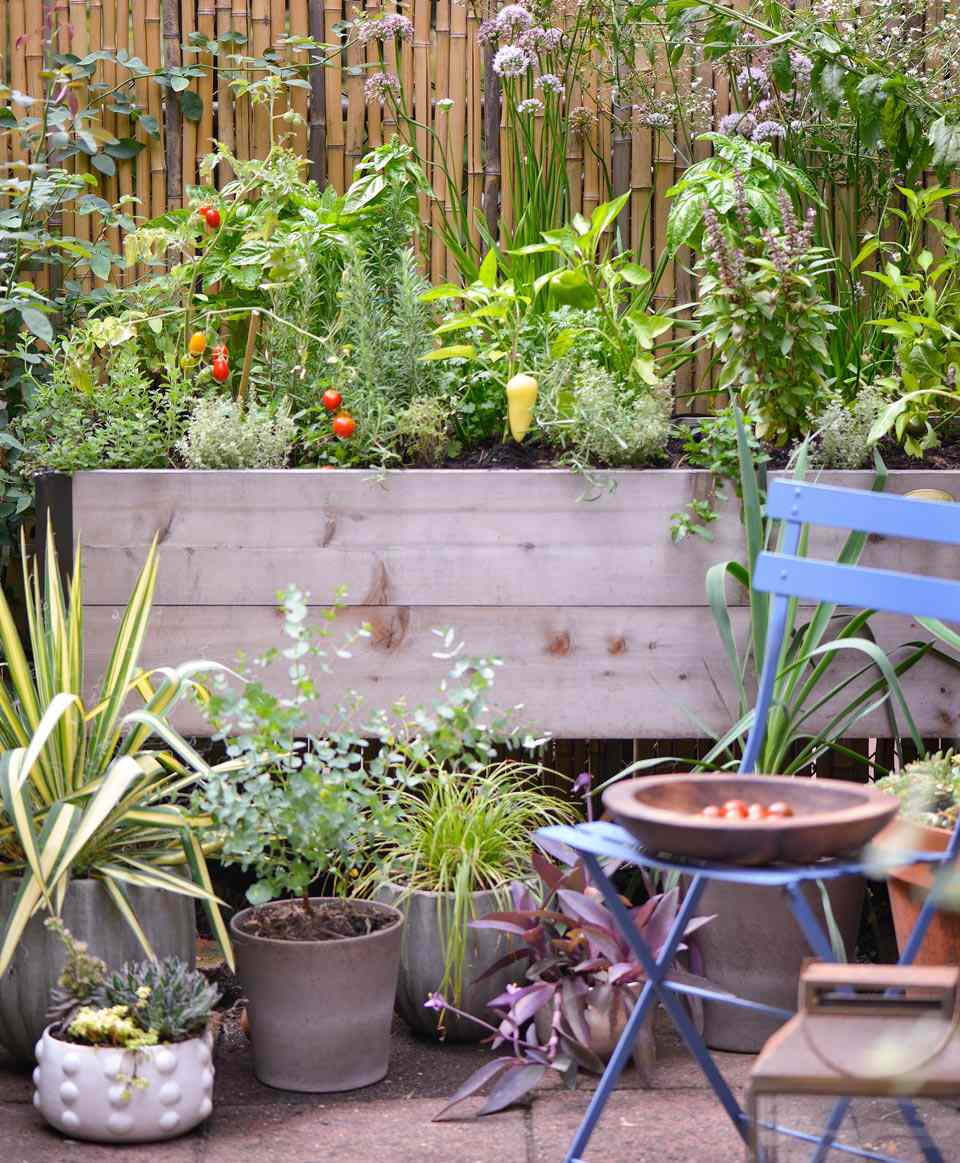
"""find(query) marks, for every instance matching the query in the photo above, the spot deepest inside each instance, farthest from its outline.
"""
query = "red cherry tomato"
(218, 351)
(331, 399)
(212, 217)
(780, 809)
(712, 812)
(739, 813)
(344, 426)
(730, 805)
(221, 370)
(204, 210)
(757, 812)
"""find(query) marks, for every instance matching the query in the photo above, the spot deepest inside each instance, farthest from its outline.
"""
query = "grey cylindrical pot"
(423, 961)
(754, 948)
(168, 920)
(319, 1011)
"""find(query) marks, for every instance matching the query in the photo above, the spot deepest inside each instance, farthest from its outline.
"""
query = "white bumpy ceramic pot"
(124, 1096)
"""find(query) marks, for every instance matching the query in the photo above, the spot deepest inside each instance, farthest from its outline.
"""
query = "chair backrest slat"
(868, 512)
(854, 585)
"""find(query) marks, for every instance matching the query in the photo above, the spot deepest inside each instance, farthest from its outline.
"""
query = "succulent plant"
(928, 788)
(166, 996)
(78, 984)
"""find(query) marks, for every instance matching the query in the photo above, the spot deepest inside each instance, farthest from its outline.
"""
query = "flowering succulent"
(110, 1026)
(929, 789)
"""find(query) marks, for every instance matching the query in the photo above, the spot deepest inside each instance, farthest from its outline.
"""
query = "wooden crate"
(601, 620)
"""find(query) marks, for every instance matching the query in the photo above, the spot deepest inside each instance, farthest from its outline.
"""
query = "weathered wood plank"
(620, 672)
(422, 538)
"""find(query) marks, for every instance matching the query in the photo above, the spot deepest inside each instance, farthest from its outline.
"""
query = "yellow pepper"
(521, 397)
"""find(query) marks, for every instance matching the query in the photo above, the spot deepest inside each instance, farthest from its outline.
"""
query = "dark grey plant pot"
(423, 961)
(168, 920)
(319, 1011)
(754, 948)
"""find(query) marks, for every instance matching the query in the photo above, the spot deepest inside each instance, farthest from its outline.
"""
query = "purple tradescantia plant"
(574, 960)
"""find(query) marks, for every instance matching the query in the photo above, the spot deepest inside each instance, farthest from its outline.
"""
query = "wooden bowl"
(831, 816)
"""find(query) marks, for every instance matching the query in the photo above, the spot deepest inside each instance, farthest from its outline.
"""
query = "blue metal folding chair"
(786, 576)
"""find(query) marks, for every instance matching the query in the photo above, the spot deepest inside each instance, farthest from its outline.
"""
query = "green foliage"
(842, 436)
(225, 433)
(594, 419)
(764, 310)
(100, 407)
(920, 305)
(166, 997)
(462, 833)
(928, 789)
(81, 793)
(421, 432)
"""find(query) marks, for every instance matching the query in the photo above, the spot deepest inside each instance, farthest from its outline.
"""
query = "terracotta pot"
(755, 949)
(604, 1033)
(423, 960)
(320, 1011)
(89, 913)
(909, 887)
(124, 1096)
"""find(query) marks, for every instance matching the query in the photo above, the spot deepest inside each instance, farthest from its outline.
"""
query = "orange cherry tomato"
(730, 805)
(757, 812)
(780, 809)
(331, 399)
(221, 370)
(197, 344)
(712, 812)
(734, 813)
(344, 426)
(212, 217)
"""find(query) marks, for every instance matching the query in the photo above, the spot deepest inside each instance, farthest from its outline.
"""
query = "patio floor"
(676, 1121)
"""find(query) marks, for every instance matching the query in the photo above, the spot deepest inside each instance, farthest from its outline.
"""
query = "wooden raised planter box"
(601, 620)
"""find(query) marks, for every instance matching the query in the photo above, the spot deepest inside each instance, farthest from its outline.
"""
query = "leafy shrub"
(223, 433)
(100, 408)
(843, 430)
(422, 431)
(585, 411)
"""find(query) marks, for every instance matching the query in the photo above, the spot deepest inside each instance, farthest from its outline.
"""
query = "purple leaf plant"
(570, 957)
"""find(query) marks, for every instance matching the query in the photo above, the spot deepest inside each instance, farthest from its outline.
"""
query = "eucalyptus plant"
(83, 793)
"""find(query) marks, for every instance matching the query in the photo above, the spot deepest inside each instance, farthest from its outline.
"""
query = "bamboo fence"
(444, 61)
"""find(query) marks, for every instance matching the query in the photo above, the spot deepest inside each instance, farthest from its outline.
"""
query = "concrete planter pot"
(319, 1012)
(509, 557)
(754, 948)
(124, 1096)
(90, 914)
(909, 887)
(423, 961)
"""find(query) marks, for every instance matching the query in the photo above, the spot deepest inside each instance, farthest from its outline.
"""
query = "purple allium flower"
(549, 83)
(742, 123)
(488, 32)
(510, 61)
(385, 28)
(512, 20)
(530, 105)
(752, 75)
(768, 131)
(581, 120)
(656, 120)
(537, 40)
(379, 86)
(802, 66)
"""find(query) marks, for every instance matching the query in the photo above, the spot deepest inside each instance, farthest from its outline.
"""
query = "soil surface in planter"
(331, 921)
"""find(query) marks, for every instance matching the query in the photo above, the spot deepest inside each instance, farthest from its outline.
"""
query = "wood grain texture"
(641, 672)
(602, 620)
(450, 538)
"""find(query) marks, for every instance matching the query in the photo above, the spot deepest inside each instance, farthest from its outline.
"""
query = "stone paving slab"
(390, 1131)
